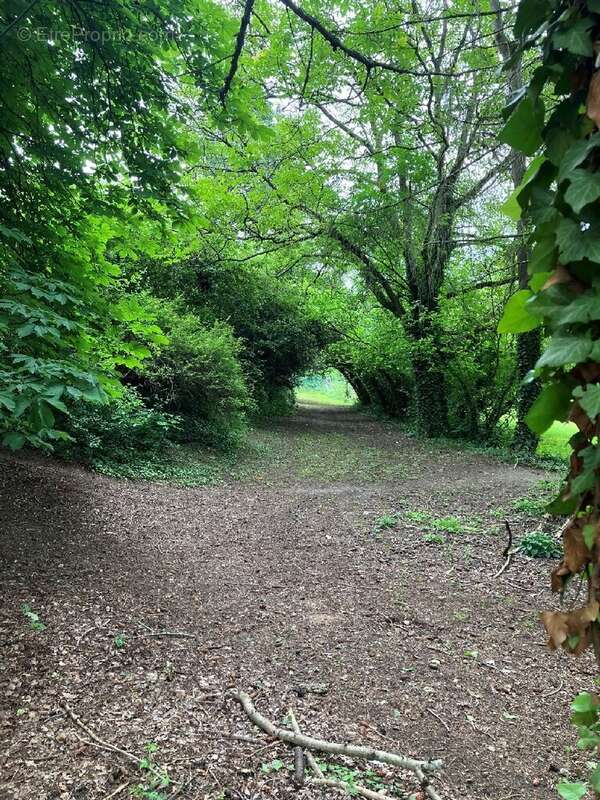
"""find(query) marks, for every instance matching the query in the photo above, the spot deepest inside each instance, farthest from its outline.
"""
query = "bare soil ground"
(387, 636)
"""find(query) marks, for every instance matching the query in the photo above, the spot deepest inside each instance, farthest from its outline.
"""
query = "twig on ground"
(117, 791)
(507, 553)
(349, 788)
(554, 691)
(172, 634)
(96, 741)
(297, 739)
(298, 766)
(99, 742)
(321, 780)
(439, 719)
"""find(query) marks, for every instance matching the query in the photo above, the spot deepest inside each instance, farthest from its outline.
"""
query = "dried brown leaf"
(558, 577)
(577, 554)
(562, 626)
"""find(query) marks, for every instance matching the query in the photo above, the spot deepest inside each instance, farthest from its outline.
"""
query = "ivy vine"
(556, 119)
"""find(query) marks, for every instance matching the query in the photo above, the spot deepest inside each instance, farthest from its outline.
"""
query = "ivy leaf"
(589, 535)
(572, 791)
(584, 308)
(595, 779)
(585, 701)
(7, 402)
(583, 482)
(574, 244)
(511, 206)
(531, 14)
(591, 457)
(575, 37)
(517, 318)
(544, 254)
(576, 154)
(523, 129)
(584, 188)
(589, 399)
(13, 440)
(552, 404)
(565, 350)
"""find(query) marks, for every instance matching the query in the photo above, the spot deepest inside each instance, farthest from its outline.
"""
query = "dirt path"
(396, 636)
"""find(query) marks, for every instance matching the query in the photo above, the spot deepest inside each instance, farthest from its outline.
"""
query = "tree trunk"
(528, 352)
(431, 406)
(431, 409)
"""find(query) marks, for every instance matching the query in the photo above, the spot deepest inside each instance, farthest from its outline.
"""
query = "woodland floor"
(378, 637)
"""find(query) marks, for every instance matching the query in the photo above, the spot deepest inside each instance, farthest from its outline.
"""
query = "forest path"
(397, 636)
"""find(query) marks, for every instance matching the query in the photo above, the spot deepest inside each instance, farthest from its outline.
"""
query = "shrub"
(540, 545)
(119, 430)
(197, 376)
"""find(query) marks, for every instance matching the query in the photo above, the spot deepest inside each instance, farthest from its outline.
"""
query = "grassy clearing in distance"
(331, 389)
(555, 442)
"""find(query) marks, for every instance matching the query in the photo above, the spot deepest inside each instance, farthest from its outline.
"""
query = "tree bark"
(431, 404)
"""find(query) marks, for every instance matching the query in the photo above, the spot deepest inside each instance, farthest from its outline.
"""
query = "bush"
(197, 376)
(118, 431)
(275, 401)
(540, 545)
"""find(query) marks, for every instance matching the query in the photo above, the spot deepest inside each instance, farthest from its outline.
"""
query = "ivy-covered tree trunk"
(431, 408)
(561, 199)
(528, 351)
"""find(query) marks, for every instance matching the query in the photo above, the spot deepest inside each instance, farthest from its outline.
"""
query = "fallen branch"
(297, 739)
(321, 780)
(310, 759)
(507, 553)
(118, 790)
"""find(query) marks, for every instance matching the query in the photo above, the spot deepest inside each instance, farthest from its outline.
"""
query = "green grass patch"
(331, 389)
(555, 442)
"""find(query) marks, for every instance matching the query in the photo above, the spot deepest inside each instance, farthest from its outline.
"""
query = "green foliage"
(448, 524)
(352, 777)
(386, 521)
(535, 504)
(272, 766)
(540, 545)
(118, 431)
(156, 778)
(586, 719)
(119, 641)
(434, 538)
(96, 142)
(197, 376)
(35, 623)
(280, 335)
